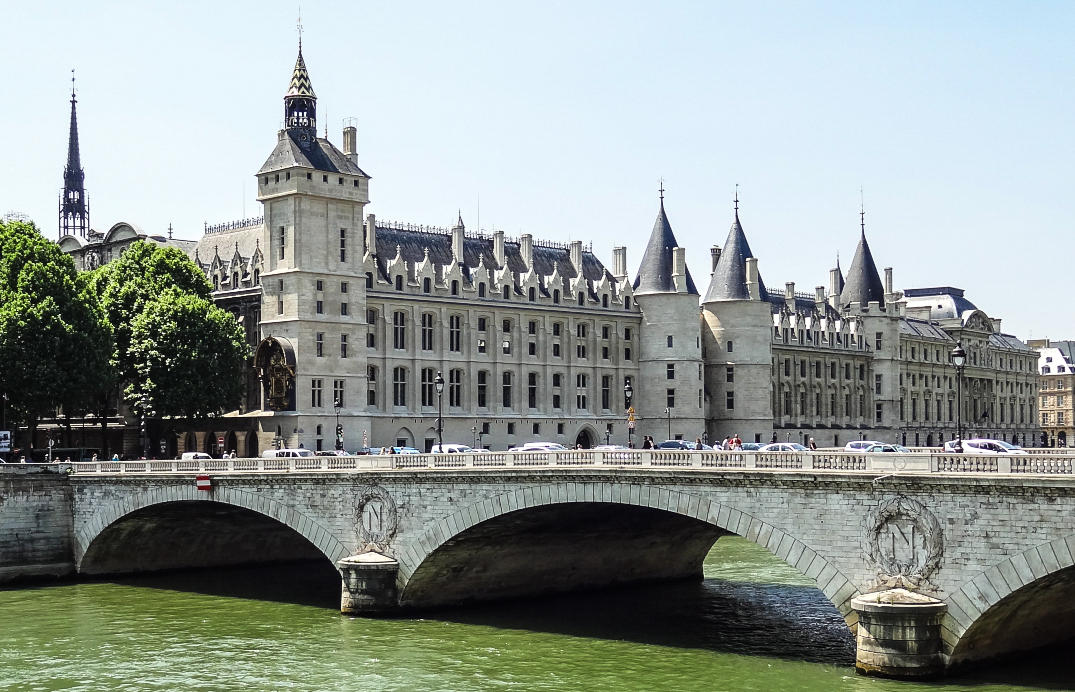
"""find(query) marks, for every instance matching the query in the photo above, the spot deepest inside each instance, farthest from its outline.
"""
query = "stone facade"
(1056, 367)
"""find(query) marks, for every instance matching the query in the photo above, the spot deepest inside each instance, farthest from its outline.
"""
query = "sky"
(951, 123)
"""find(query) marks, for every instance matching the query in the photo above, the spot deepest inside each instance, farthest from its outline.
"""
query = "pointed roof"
(300, 80)
(74, 164)
(655, 272)
(863, 282)
(839, 275)
(729, 280)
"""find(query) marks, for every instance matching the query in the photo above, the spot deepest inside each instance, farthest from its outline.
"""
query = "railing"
(233, 225)
(822, 461)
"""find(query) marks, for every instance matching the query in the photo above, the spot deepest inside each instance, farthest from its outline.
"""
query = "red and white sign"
(220, 440)
(203, 483)
(630, 425)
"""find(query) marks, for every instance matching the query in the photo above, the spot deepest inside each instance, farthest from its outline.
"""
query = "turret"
(74, 208)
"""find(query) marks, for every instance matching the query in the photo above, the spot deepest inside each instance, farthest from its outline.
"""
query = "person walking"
(812, 445)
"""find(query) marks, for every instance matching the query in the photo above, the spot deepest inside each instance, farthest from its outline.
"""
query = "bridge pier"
(369, 584)
(899, 634)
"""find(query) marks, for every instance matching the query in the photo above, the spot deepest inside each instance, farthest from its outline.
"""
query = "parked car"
(887, 448)
(752, 446)
(783, 447)
(195, 455)
(610, 448)
(332, 453)
(860, 445)
(539, 447)
(279, 453)
(675, 444)
(450, 448)
(984, 446)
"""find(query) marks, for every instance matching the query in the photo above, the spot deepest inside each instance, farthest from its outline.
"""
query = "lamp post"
(959, 359)
(668, 414)
(608, 436)
(339, 428)
(438, 381)
(627, 392)
(474, 436)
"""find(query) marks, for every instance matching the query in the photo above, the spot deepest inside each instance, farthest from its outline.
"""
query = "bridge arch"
(723, 518)
(108, 514)
(1023, 602)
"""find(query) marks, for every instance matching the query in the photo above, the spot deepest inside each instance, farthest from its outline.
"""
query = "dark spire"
(300, 103)
(863, 283)
(655, 272)
(729, 280)
(74, 209)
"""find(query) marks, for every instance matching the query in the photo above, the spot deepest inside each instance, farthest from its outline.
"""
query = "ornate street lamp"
(668, 414)
(339, 428)
(474, 436)
(627, 392)
(438, 381)
(959, 359)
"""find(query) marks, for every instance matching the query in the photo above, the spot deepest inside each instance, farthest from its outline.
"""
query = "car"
(675, 444)
(195, 455)
(450, 448)
(332, 453)
(610, 448)
(539, 447)
(860, 445)
(984, 446)
(783, 447)
(280, 453)
(752, 446)
(886, 448)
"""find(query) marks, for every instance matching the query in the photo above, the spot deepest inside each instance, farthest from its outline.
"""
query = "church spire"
(300, 104)
(74, 209)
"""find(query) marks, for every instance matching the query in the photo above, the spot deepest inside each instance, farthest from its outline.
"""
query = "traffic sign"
(203, 483)
(220, 440)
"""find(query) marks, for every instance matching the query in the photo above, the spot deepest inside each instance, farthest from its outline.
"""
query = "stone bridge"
(932, 560)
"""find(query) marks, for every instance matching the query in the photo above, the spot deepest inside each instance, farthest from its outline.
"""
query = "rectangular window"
(481, 324)
(319, 285)
(343, 244)
(319, 342)
(371, 334)
(337, 393)
(399, 386)
(627, 333)
(483, 389)
(670, 398)
(283, 240)
(427, 387)
(580, 350)
(506, 389)
(604, 332)
(580, 392)
(343, 309)
(787, 367)
(627, 353)
(371, 391)
(877, 412)
(669, 340)
(320, 307)
(531, 348)
(862, 372)
(877, 344)
(730, 400)
(531, 390)
(315, 392)
(343, 287)
(455, 388)
(606, 392)
(556, 328)
(531, 327)
(343, 345)
(847, 371)
(729, 374)
(670, 371)
(802, 368)
(876, 384)
(399, 330)
(427, 331)
(730, 349)
(455, 333)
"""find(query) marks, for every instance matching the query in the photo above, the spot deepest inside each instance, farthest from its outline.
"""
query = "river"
(753, 624)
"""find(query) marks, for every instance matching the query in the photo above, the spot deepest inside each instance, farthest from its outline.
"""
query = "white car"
(278, 453)
(539, 447)
(195, 455)
(984, 446)
(783, 447)
(450, 448)
(860, 445)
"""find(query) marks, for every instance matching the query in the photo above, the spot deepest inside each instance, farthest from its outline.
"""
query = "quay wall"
(35, 524)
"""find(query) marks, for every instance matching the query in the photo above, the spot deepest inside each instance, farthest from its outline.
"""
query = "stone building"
(1056, 365)
(535, 339)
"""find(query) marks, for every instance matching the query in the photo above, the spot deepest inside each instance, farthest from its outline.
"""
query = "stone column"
(369, 584)
(899, 634)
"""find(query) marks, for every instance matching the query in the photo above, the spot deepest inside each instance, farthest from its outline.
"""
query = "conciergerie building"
(537, 339)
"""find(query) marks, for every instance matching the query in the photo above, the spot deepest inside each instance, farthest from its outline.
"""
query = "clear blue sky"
(561, 117)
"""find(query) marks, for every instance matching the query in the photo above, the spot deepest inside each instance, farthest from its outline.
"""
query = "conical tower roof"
(655, 272)
(839, 276)
(300, 80)
(863, 283)
(729, 280)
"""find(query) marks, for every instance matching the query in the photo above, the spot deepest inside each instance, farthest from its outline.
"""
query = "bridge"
(933, 560)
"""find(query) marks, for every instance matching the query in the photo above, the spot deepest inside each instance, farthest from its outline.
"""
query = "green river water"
(753, 624)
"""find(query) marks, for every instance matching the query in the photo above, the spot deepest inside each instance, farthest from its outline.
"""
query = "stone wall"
(35, 524)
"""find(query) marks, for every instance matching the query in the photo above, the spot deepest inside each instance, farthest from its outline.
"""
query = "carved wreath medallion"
(375, 515)
(904, 540)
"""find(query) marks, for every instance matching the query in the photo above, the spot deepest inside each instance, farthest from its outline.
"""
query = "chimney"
(789, 295)
(576, 255)
(350, 143)
(679, 269)
(619, 263)
(371, 234)
(888, 282)
(834, 286)
(458, 234)
(714, 253)
(526, 250)
(819, 296)
(498, 248)
(752, 278)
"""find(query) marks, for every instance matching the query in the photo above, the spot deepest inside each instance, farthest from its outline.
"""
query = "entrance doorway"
(584, 439)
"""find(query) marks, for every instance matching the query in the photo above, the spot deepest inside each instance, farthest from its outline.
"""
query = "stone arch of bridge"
(836, 587)
(108, 514)
(1023, 602)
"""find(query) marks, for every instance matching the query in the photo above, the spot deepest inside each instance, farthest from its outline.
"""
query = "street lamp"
(668, 414)
(627, 392)
(438, 381)
(608, 435)
(959, 359)
(339, 428)
(474, 436)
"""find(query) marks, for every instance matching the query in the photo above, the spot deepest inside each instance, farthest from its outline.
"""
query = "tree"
(188, 355)
(54, 339)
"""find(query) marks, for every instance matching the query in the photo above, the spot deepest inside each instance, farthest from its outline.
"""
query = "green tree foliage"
(188, 355)
(54, 340)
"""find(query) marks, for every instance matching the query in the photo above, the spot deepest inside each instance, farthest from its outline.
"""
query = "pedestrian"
(812, 444)
(727, 443)
(773, 441)
(115, 457)
(647, 442)
(94, 459)
(737, 442)
(698, 443)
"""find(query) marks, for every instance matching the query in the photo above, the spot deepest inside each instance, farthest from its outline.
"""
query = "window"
(847, 371)
(787, 367)
(670, 398)
(319, 285)
(283, 240)
(427, 285)
(604, 352)
(369, 279)
(427, 387)
(506, 389)
(729, 401)
(343, 287)
(483, 377)
(343, 309)
(531, 390)
(669, 340)
(729, 374)
(455, 333)
(343, 243)
(580, 330)
(531, 327)
(627, 333)
(455, 287)
(280, 298)
(802, 368)
(531, 294)
(481, 346)
(455, 387)
(606, 392)
(507, 292)
(399, 330)
(604, 331)
(876, 384)
(343, 345)
(320, 307)
(581, 384)
(531, 348)
(337, 393)
(427, 331)
(315, 392)
(580, 350)
(481, 290)
(371, 334)
(670, 371)
(580, 298)
(729, 347)
(627, 353)
(399, 386)
(319, 342)
(862, 372)
(556, 297)
(481, 324)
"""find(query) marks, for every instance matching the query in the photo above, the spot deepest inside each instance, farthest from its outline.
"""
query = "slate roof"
(320, 155)
(944, 302)
(655, 271)
(802, 305)
(840, 276)
(863, 283)
(224, 243)
(923, 329)
(1008, 341)
(729, 281)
